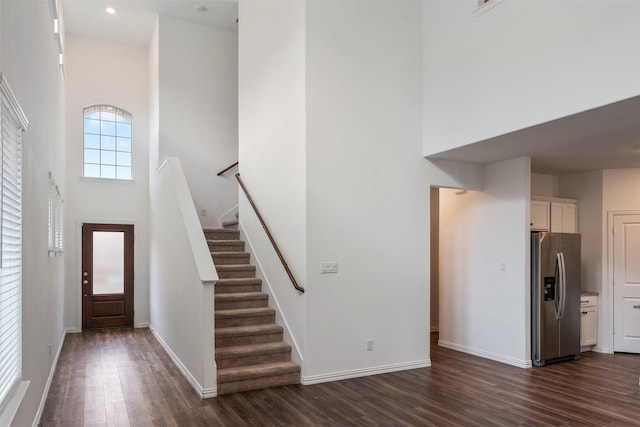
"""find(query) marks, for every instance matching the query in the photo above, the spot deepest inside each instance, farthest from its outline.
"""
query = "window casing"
(107, 142)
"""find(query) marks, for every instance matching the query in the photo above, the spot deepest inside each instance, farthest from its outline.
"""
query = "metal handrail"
(273, 242)
(228, 168)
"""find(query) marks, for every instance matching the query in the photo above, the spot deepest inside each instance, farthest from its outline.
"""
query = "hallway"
(125, 378)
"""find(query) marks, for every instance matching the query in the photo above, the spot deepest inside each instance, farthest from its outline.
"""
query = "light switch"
(328, 267)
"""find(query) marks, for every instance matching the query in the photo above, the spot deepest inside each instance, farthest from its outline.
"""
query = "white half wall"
(484, 266)
(487, 74)
(29, 62)
(198, 110)
(100, 72)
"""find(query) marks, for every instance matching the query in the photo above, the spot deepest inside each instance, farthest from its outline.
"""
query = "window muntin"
(107, 142)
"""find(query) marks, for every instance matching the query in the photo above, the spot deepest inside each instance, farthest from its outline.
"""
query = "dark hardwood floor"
(124, 378)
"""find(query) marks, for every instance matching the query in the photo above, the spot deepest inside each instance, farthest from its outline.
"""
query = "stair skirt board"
(356, 373)
(204, 393)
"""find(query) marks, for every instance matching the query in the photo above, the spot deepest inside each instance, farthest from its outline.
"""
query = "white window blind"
(12, 123)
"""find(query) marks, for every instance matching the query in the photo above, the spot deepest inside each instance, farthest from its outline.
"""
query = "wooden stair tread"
(257, 371)
(252, 350)
(239, 281)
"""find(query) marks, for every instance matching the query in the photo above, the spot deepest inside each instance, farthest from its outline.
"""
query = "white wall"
(29, 61)
(621, 192)
(272, 148)
(484, 266)
(99, 72)
(545, 185)
(587, 189)
(198, 110)
(493, 73)
(367, 190)
(330, 148)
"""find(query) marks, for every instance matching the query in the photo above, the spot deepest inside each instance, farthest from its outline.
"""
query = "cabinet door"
(564, 217)
(588, 326)
(540, 215)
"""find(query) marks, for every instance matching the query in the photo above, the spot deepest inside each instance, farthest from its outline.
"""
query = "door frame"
(608, 300)
(78, 270)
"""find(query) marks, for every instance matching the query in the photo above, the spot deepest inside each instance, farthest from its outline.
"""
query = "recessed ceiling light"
(110, 11)
(201, 9)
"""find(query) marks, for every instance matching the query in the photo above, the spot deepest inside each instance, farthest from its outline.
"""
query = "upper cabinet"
(553, 214)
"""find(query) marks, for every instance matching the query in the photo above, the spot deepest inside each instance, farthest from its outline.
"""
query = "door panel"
(626, 283)
(107, 276)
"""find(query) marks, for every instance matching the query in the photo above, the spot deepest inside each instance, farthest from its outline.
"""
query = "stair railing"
(228, 168)
(266, 230)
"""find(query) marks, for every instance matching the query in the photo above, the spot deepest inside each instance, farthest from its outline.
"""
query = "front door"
(626, 283)
(107, 276)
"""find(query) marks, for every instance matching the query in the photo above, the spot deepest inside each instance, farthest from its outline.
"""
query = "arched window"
(107, 142)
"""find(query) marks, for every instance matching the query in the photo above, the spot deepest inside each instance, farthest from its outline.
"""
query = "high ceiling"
(603, 138)
(134, 19)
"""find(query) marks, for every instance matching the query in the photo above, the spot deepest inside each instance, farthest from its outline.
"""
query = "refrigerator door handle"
(558, 278)
(563, 285)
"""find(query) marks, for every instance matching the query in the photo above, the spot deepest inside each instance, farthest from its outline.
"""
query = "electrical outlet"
(369, 345)
(203, 212)
(328, 267)
(49, 349)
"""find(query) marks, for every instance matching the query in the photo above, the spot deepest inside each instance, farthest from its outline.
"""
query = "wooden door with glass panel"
(107, 276)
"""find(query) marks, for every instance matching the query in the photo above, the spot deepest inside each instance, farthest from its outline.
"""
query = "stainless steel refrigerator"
(555, 297)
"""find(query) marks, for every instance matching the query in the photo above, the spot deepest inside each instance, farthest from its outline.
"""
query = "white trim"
(13, 102)
(11, 409)
(229, 215)
(298, 357)
(78, 278)
(486, 355)
(204, 393)
(52, 372)
(356, 373)
(607, 300)
(142, 325)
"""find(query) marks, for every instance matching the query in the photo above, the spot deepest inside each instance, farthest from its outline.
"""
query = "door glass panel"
(108, 262)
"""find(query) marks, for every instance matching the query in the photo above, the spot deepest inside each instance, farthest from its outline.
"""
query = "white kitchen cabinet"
(554, 214)
(564, 217)
(588, 321)
(540, 215)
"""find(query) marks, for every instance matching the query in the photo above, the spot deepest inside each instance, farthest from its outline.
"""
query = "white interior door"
(626, 283)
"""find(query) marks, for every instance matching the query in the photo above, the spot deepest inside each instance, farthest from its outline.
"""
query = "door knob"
(85, 274)
(84, 282)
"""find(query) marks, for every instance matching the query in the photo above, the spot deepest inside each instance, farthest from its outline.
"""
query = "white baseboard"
(142, 325)
(486, 355)
(204, 393)
(345, 375)
(52, 372)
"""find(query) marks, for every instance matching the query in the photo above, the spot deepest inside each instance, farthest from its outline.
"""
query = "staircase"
(250, 351)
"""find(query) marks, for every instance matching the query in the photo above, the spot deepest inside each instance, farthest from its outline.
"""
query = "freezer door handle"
(563, 285)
